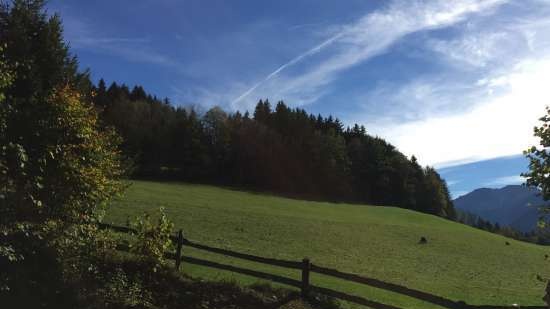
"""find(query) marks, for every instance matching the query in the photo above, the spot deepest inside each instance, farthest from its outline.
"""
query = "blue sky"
(452, 82)
(490, 173)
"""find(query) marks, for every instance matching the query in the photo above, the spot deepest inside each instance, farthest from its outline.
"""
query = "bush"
(122, 291)
(152, 240)
(66, 173)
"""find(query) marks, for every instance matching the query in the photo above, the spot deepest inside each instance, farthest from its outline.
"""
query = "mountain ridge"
(512, 205)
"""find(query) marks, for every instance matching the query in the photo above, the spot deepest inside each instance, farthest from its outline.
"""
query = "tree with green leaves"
(58, 154)
(539, 158)
(539, 169)
(58, 163)
(35, 43)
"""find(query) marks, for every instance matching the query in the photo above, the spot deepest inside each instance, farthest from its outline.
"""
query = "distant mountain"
(513, 205)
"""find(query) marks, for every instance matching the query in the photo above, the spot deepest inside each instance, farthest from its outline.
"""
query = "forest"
(71, 146)
(276, 148)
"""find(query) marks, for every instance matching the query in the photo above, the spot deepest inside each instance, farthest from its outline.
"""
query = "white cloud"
(482, 104)
(458, 194)
(453, 182)
(506, 180)
(475, 50)
(201, 98)
(418, 99)
(356, 43)
(497, 125)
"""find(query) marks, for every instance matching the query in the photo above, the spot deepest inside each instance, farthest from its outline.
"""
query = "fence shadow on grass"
(306, 267)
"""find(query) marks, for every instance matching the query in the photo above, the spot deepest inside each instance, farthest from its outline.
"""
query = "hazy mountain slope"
(512, 205)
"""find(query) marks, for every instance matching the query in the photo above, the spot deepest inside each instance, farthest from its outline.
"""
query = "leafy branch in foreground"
(152, 240)
(539, 163)
(539, 172)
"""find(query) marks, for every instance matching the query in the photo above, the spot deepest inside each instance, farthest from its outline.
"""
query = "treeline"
(276, 148)
(539, 236)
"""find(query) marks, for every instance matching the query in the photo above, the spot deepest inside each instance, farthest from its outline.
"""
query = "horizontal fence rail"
(244, 256)
(306, 268)
(436, 300)
(244, 271)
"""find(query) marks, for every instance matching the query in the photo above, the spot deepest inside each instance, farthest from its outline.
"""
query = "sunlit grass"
(458, 262)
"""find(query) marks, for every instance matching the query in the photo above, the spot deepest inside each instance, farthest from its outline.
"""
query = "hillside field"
(458, 262)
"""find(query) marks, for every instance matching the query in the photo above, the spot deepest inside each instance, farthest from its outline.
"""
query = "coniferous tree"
(283, 150)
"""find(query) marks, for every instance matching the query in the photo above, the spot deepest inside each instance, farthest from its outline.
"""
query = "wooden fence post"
(306, 266)
(178, 249)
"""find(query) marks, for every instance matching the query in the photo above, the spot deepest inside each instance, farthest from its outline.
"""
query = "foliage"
(537, 236)
(35, 46)
(6, 250)
(539, 167)
(131, 285)
(153, 240)
(65, 173)
(6, 76)
(282, 150)
(122, 292)
(51, 189)
(539, 158)
(58, 163)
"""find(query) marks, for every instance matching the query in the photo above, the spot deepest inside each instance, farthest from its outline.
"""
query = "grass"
(458, 262)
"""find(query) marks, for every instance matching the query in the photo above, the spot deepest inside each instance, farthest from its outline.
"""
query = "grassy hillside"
(458, 262)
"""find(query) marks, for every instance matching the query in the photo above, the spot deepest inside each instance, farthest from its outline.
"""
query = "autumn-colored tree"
(58, 163)
(66, 173)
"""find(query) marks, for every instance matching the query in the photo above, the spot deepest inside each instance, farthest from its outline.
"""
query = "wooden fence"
(306, 267)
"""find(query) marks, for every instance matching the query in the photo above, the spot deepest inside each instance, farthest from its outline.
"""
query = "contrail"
(432, 17)
(310, 52)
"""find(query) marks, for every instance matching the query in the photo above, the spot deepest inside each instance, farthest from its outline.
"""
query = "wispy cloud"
(201, 98)
(82, 35)
(482, 103)
(506, 180)
(465, 79)
(306, 25)
(476, 50)
(310, 52)
(453, 182)
(417, 99)
(496, 125)
(358, 42)
(81, 41)
(458, 194)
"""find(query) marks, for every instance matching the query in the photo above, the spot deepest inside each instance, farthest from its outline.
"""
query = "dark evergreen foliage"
(279, 149)
(282, 150)
(539, 236)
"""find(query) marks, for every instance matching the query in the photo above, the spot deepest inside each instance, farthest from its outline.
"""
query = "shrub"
(63, 168)
(121, 291)
(152, 240)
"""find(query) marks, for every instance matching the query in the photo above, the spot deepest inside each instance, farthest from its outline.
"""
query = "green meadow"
(458, 262)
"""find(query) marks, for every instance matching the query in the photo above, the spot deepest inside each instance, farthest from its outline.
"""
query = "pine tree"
(35, 43)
